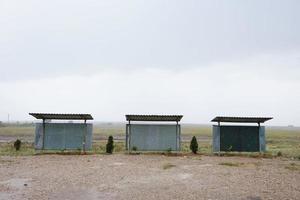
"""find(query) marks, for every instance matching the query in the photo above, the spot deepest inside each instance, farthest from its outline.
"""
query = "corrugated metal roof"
(241, 119)
(176, 118)
(62, 116)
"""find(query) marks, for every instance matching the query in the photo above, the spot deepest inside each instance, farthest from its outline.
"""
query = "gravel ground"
(122, 176)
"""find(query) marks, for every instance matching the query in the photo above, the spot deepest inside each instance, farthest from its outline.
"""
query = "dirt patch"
(123, 176)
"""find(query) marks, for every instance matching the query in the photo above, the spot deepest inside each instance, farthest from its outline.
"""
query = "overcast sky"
(111, 58)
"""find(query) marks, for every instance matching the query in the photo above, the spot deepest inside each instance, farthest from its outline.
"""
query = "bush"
(134, 148)
(169, 150)
(17, 144)
(110, 145)
(194, 145)
(279, 154)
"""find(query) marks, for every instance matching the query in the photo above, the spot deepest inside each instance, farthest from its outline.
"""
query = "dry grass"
(241, 164)
(168, 166)
(231, 164)
(7, 149)
(293, 167)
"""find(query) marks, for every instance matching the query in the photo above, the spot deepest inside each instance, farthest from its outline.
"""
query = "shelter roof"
(62, 116)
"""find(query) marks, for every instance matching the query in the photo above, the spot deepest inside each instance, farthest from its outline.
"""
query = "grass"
(231, 164)
(293, 167)
(204, 147)
(5, 161)
(285, 141)
(247, 154)
(17, 131)
(27, 149)
(100, 147)
(241, 164)
(7, 149)
(168, 166)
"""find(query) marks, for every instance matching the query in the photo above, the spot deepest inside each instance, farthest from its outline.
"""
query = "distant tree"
(17, 144)
(110, 145)
(194, 145)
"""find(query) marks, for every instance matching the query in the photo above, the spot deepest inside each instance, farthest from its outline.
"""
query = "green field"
(285, 140)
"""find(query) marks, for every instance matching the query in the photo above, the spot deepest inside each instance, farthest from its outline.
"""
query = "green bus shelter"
(63, 135)
(146, 136)
(240, 138)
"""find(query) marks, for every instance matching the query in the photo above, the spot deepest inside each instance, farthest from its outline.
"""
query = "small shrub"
(229, 148)
(110, 145)
(134, 148)
(279, 154)
(17, 144)
(194, 145)
(169, 150)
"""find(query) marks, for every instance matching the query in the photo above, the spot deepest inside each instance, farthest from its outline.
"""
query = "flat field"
(283, 141)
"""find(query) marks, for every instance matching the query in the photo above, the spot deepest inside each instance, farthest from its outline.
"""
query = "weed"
(279, 154)
(293, 167)
(134, 148)
(168, 166)
(231, 164)
(169, 150)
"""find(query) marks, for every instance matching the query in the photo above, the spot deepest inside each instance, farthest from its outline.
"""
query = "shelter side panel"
(38, 141)
(216, 138)
(262, 138)
(89, 136)
(153, 137)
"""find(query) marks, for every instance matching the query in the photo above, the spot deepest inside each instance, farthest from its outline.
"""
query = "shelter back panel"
(239, 138)
(154, 137)
(60, 136)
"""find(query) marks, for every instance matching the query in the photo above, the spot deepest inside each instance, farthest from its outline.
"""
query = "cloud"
(239, 89)
(63, 38)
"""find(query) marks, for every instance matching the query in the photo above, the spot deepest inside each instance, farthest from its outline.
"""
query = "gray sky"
(109, 58)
